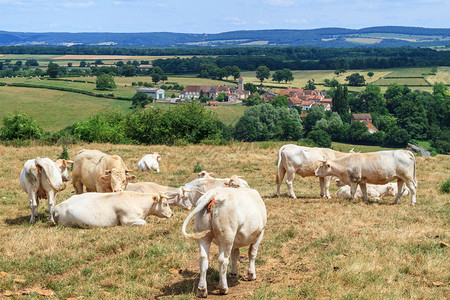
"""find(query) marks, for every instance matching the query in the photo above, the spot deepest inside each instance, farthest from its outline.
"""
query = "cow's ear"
(328, 165)
(105, 177)
(131, 177)
(211, 174)
(39, 168)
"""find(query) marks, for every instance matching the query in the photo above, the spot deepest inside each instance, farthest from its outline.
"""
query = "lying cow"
(374, 191)
(375, 168)
(231, 218)
(175, 196)
(42, 178)
(200, 186)
(110, 209)
(150, 162)
(293, 159)
(99, 172)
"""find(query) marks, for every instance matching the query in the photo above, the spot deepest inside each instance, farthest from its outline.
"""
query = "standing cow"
(375, 168)
(150, 162)
(231, 218)
(99, 172)
(293, 159)
(42, 178)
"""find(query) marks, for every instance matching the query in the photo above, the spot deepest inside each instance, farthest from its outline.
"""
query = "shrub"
(320, 138)
(64, 154)
(197, 168)
(445, 187)
(20, 126)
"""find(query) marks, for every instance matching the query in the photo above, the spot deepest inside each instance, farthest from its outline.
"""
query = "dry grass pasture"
(313, 248)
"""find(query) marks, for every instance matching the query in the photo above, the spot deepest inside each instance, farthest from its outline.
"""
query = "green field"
(54, 110)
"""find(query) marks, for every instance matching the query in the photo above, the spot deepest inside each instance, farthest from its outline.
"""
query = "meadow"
(313, 248)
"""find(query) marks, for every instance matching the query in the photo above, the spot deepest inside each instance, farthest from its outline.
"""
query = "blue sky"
(213, 16)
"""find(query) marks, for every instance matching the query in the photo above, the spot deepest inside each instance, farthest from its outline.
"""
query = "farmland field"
(312, 248)
(54, 110)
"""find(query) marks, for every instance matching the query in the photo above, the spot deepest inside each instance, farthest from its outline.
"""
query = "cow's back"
(148, 187)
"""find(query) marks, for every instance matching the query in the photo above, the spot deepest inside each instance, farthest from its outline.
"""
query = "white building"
(154, 92)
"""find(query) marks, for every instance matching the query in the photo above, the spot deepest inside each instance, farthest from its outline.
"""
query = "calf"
(376, 192)
(42, 178)
(231, 218)
(375, 168)
(110, 209)
(175, 196)
(150, 162)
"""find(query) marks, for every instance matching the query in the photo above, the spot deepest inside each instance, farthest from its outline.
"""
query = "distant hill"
(386, 36)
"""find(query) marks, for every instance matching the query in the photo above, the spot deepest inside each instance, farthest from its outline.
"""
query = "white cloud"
(280, 2)
(118, 3)
(78, 4)
(235, 21)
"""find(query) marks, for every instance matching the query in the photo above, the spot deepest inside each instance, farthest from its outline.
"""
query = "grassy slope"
(312, 248)
(54, 110)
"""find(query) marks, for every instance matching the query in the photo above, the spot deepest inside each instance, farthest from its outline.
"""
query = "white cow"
(42, 178)
(293, 159)
(150, 162)
(110, 209)
(205, 174)
(231, 218)
(375, 168)
(175, 196)
(199, 186)
(374, 191)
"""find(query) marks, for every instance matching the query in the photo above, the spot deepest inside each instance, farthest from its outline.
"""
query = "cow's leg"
(281, 172)
(51, 195)
(353, 187)
(364, 191)
(412, 188)
(289, 179)
(131, 220)
(252, 251)
(322, 185)
(78, 186)
(224, 254)
(327, 181)
(234, 262)
(399, 189)
(33, 205)
(203, 260)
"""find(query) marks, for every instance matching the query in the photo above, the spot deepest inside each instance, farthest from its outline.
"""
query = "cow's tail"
(201, 204)
(415, 179)
(278, 180)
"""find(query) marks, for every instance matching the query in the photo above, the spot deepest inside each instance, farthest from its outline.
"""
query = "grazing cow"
(374, 191)
(110, 209)
(199, 186)
(175, 196)
(375, 168)
(150, 162)
(99, 172)
(205, 174)
(304, 161)
(231, 218)
(42, 178)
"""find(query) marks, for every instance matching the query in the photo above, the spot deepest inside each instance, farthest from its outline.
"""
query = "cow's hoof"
(223, 291)
(202, 293)
(251, 276)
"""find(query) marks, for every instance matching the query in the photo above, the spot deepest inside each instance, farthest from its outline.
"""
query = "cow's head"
(234, 182)
(390, 190)
(161, 204)
(205, 174)
(63, 167)
(118, 178)
(324, 168)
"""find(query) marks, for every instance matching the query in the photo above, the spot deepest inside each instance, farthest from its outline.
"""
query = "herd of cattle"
(227, 211)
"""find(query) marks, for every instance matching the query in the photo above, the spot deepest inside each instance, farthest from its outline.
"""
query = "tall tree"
(105, 82)
(374, 99)
(355, 79)
(52, 70)
(262, 72)
(339, 101)
(310, 85)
